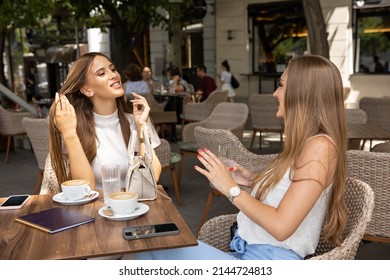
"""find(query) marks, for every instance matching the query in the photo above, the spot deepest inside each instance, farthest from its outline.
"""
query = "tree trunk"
(317, 28)
(128, 47)
(121, 51)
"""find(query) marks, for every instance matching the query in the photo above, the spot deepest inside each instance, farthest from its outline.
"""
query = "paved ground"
(20, 175)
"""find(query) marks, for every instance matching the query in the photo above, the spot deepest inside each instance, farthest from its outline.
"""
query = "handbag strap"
(148, 156)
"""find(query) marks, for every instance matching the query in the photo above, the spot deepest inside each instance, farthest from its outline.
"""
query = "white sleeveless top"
(111, 147)
(305, 239)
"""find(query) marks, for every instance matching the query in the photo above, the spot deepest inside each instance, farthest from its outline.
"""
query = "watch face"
(235, 191)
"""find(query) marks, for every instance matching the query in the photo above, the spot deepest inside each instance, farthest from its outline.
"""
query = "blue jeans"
(206, 252)
(245, 251)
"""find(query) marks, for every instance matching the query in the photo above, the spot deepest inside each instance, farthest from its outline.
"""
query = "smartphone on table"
(147, 231)
(14, 202)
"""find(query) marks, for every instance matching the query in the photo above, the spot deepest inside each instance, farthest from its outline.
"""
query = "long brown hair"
(313, 104)
(76, 79)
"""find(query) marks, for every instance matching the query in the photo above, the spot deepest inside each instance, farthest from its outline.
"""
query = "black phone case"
(145, 232)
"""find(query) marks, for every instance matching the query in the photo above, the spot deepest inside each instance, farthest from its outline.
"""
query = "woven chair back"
(374, 169)
(263, 108)
(377, 109)
(357, 116)
(38, 133)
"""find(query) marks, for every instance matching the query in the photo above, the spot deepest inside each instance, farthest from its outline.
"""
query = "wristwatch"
(233, 193)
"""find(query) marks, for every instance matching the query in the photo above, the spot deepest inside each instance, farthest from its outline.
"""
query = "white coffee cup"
(75, 189)
(123, 203)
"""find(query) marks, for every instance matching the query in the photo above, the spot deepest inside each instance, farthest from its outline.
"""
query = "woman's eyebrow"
(102, 68)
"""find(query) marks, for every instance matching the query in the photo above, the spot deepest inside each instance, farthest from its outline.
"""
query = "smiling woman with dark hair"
(90, 125)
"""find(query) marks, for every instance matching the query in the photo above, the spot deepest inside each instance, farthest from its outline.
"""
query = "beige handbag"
(140, 176)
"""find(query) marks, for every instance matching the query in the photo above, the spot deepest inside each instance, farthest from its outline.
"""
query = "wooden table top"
(367, 131)
(103, 237)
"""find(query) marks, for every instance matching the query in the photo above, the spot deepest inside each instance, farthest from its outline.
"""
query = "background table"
(103, 237)
(365, 132)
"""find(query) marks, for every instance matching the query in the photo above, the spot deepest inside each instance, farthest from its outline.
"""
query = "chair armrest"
(216, 231)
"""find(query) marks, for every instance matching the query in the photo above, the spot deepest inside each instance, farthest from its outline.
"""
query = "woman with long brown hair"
(90, 125)
(302, 191)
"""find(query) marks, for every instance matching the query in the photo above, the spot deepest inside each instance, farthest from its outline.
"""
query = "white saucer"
(59, 197)
(140, 210)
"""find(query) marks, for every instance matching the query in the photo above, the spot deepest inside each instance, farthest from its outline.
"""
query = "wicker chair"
(355, 116)
(168, 161)
(226, 115)
(11, 125)
(198, 111)
(263, 108)
(38, 134)
(378, 111)
(211, 138)
(154, 105)
(374, 169)
(359, 199)
(381, 147)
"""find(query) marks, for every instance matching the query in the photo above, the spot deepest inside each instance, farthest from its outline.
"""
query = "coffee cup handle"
(87, 190)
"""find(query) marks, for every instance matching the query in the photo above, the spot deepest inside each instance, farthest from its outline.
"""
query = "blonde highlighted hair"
(75, 80)
(314, 105)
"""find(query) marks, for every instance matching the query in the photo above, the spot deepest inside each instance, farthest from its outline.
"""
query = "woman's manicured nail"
(199, 156)
(206, 150)
(195, 166)
(231, 168)
(200, 151)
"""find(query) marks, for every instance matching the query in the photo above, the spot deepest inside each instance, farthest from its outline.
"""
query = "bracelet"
(141, 140)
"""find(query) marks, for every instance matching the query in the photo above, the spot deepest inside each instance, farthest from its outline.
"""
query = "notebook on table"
(54, 220)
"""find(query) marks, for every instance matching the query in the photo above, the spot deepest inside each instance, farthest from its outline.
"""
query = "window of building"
(372, 36)
(279, 32)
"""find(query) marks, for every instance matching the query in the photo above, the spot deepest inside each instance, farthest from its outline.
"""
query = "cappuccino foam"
(76, 182)
(122, 195)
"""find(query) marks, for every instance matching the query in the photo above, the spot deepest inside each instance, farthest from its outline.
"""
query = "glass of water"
(111, 180)
(227, 153)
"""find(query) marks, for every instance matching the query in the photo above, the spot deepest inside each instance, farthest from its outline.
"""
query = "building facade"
(228, 32)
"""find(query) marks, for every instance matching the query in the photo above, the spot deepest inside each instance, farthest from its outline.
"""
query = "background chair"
(263, 108)
(374, 169)
(38, 134)
(154, 105)
(377, 110)
(226, 115)
(359, 199)
(211, 138)
(11, 125)
(162, 119)
(168, 161)
(381, 147)
(355, 116)
(198, 111)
